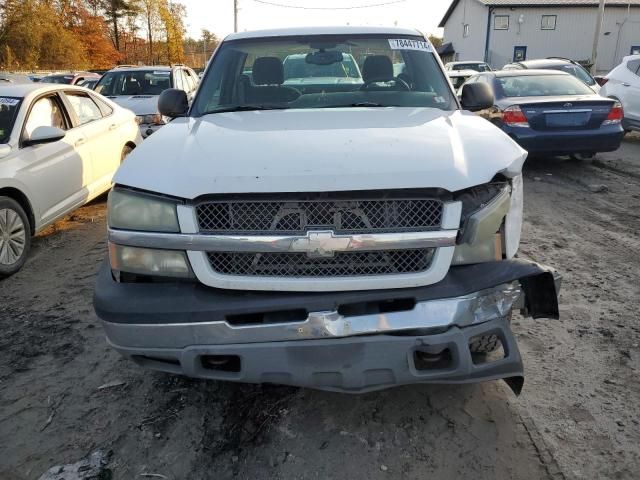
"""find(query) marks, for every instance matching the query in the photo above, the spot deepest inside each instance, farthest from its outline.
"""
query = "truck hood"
(138, 104)
(317, 150)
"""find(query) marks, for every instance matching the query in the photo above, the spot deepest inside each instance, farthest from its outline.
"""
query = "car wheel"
(125, 152)
(15, 236)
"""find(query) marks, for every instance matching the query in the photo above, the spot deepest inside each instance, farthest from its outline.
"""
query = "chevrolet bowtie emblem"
(320, 243)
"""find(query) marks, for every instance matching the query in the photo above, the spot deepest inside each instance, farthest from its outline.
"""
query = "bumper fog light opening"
(426, 360)
(221, 363)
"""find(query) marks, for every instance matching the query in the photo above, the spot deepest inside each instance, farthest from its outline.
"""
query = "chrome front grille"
(297, 217)
(340, 265)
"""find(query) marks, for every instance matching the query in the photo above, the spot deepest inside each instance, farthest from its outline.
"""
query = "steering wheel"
(398, 82)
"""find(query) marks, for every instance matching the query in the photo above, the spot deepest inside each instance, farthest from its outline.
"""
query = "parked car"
(71, 78)
(59, 148)
(623, 84)
(459, 77)
(555, 63)
(469, 65)
(551, 112)
(90, 84)
(344, 240)
(137, 88)
(9, 78)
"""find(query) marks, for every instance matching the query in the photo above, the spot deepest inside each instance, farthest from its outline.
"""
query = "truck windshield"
(323, 71)
(8, 109)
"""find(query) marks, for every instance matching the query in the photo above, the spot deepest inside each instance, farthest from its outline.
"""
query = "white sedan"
(623, 84)
(59, 148)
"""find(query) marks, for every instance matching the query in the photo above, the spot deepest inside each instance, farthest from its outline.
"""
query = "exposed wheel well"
(22, 199)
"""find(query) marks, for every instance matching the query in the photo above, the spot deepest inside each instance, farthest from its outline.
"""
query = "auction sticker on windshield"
(408, 44)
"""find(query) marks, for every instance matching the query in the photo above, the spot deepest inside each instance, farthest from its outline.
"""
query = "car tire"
(15, 236)
(125, 153)
(487, 343)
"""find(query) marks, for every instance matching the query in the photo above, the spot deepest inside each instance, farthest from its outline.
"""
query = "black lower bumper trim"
(158, 303)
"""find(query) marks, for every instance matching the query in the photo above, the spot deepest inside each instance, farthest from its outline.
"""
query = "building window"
(548, 22)
(465, 30)
(501, 22)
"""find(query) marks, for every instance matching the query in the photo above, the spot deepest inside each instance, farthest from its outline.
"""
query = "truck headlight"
(129, 210)
(149, 261)
(487, 219)
(483, 213)
(513, 222)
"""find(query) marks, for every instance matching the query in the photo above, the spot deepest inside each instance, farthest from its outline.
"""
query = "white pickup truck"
(347, 239)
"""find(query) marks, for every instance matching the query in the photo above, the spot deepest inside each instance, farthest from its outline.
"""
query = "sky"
(217, 15)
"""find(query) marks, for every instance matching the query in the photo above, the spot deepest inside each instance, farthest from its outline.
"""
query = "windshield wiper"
(369, 104)
(359, 104)
(245, 108)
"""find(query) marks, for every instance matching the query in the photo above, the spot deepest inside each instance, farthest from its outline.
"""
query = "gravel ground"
(64, 394)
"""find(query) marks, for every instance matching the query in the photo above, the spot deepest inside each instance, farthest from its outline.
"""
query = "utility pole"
(596, 37)
(235, 15)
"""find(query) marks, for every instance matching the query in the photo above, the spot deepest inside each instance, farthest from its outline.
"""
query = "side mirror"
(173, 103)
(44, 135)
(476, 96)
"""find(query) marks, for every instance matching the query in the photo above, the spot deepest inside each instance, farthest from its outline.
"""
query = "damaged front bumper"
(344, 341)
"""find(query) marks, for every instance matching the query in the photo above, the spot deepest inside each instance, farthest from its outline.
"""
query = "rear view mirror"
(324, 58)
(44, 134)
(476, 96)
(173, 103)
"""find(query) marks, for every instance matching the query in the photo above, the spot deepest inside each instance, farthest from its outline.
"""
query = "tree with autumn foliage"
(98, 34)
(172, 16)
(94, 33)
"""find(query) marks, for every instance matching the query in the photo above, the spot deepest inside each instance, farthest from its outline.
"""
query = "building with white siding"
(502, 31)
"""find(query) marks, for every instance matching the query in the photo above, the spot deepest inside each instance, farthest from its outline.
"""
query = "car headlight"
(129, 210)
(149, 261)
(151, 119)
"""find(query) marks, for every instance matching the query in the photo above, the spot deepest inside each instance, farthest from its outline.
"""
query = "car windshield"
(323, 71)
(577, 71)
(478, 67)
(134, 82)
(64, 79)
(540, 86)
(8, 109)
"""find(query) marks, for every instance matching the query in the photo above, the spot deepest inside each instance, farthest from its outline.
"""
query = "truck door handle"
(79, 142)
(626, 84)
(113, 126)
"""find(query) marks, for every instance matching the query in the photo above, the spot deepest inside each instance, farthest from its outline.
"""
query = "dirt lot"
(578, 416)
